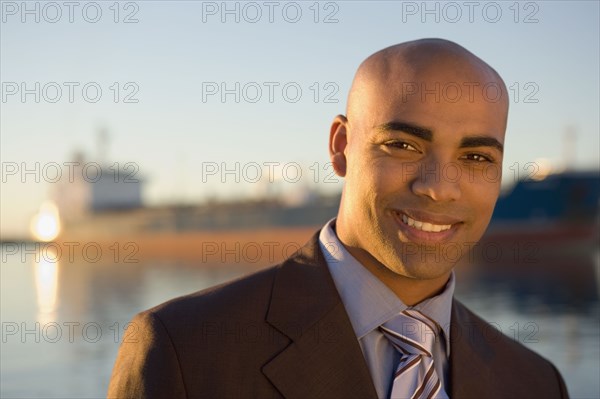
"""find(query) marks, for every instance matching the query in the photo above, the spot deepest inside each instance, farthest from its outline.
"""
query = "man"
(366, 308)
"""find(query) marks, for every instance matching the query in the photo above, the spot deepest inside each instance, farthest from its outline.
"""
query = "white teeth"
(425, 226)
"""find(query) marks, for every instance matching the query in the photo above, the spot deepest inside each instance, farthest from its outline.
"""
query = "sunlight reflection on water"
(46, 285)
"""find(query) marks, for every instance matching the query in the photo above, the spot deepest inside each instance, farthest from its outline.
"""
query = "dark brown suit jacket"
(284, 332)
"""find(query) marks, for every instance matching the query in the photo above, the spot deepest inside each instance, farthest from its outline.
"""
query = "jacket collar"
(323, 358)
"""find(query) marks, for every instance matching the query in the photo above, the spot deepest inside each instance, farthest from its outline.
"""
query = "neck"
(410, 291)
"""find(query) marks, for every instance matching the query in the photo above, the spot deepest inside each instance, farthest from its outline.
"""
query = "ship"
(561, 211)
(558, 212)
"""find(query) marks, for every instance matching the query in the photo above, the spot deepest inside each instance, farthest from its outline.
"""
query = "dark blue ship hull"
(561, 210)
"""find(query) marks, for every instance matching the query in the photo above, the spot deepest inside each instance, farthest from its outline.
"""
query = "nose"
(440, 181)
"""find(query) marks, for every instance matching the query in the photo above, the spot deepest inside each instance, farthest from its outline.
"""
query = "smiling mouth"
(425, 226)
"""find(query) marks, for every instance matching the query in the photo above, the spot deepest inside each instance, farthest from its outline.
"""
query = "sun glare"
(45, 225)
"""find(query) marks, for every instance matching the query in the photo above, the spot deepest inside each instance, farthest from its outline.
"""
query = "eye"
(402, 145)
(478, 158)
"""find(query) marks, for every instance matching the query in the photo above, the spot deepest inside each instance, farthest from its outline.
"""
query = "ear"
(338, 139)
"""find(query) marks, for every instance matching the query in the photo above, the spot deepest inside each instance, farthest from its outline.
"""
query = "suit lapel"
(324, 358)
(470, 355)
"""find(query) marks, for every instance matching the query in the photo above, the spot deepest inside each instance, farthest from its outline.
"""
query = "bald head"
(416, 67)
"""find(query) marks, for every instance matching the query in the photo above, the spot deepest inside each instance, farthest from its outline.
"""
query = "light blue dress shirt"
(370, 303)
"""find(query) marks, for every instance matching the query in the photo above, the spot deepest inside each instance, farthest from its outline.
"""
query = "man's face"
(422, 173)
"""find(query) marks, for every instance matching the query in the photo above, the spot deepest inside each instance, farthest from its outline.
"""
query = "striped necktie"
(413, 335)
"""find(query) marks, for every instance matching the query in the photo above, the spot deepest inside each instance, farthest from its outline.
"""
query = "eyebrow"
(427, 135)
(481, 141)
(413, 130)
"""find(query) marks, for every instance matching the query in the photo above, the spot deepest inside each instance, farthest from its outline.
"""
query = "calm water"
(62, 322)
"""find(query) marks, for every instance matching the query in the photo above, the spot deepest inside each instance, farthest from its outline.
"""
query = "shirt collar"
(439, 308)
(368, 302)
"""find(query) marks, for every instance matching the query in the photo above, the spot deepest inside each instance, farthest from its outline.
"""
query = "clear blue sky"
(546, 51)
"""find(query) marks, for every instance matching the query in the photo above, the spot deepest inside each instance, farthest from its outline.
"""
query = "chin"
(426, 271)
(419, 263)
